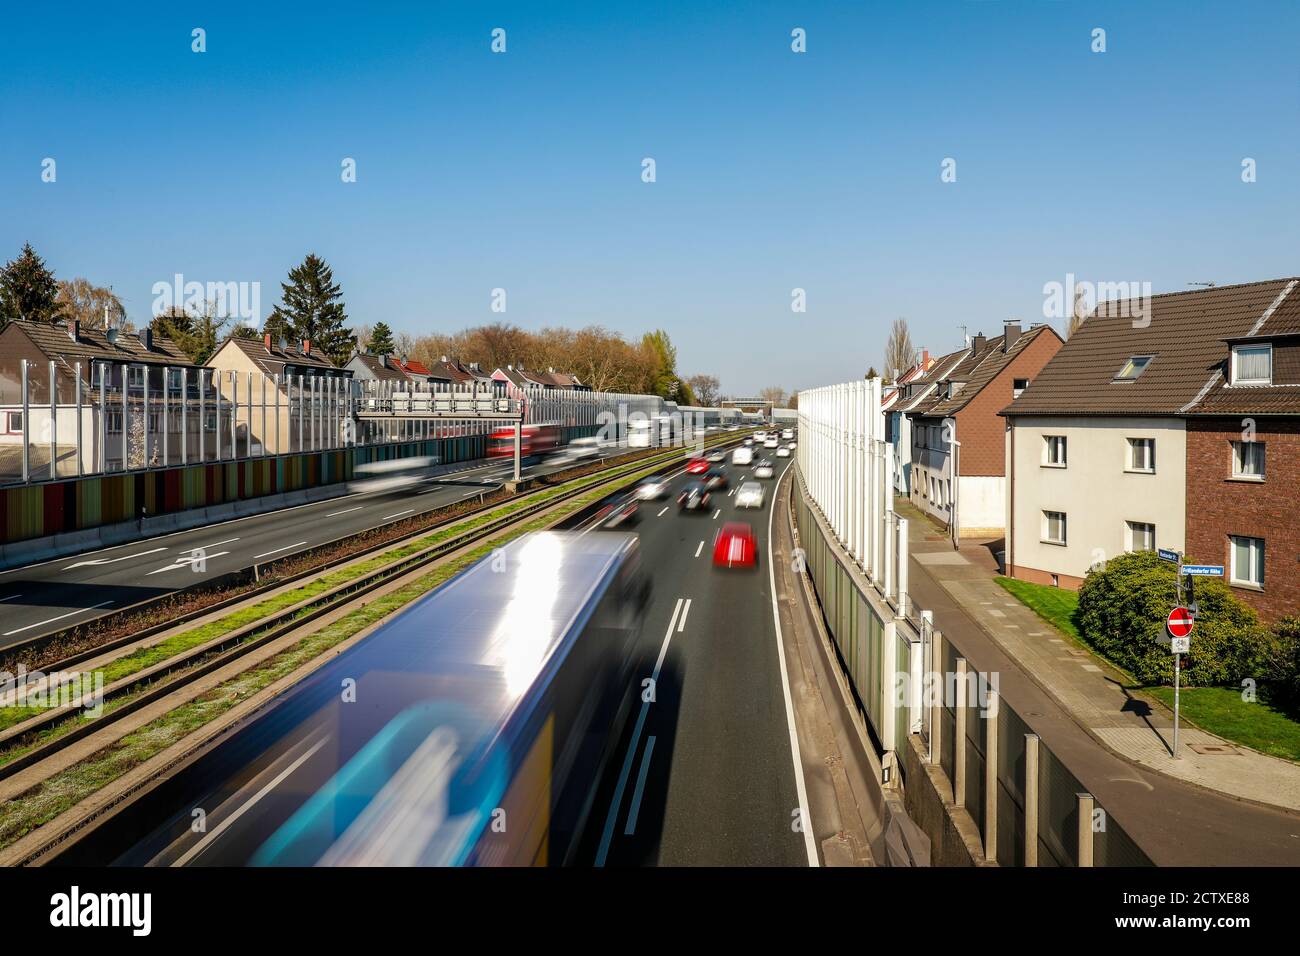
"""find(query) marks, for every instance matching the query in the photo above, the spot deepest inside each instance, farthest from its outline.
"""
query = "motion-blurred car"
(715, 478)
(783, 453)
(695, 498)
(742, 456)
(697, 466)
(734, 546)
(581, 449)
(771, 442)
(749, 495)
(763, 469)
(787, 433)
(652, 489)
(618, 515)
(749, 443)
(715, 457)
(760, 436)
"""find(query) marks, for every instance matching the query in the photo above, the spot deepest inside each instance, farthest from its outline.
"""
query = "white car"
(581, 448)
(771, 443)
(763, 471)
(760, 436)
(652, 489)
(783, 453)
(742, 456)
(787, 434)
(750, 495)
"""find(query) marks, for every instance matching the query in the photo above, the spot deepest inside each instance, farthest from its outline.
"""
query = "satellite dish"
(112, 336)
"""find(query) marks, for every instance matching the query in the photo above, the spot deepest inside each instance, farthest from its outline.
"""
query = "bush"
(1122, 611)
(1284, 672)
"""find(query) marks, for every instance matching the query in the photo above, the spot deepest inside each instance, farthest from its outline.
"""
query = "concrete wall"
(1096, 491)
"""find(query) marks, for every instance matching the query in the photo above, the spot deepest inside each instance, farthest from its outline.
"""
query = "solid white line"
(398, 515)
(216, 544)
(278, 550)
(662, 513)
(59, 618)
(699, 549)
(335, 514)
(686, 609)
(632, 814)
(800, 785)
(9, 598)
(221, 828)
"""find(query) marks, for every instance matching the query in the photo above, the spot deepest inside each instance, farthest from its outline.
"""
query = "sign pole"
(1178, 659)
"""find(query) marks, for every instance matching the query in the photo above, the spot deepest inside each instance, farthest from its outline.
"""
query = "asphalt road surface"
(704, 775)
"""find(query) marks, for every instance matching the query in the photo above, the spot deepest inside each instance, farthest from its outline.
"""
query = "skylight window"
(1133, 368)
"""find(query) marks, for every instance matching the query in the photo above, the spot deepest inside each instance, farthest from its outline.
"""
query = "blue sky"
(775, 170)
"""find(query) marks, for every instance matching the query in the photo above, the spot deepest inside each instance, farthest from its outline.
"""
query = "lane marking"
(278, 550)
(640, 787)
(79, 610)
(225, 824)
(398, 515)
(183, 562)
(608, 834)
(716, 513)
(662, 513)
(215, 544)
(10, 598)
(100, 561)
(699, 549)
(801, 786)
(686, 609)
(335, 514)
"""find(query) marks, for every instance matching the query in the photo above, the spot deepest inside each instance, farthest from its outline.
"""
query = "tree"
(380, 341)
(312, 308)
(28, 290)
(872, 373)
(197, 334)
(899, 353)
(706, 389)
(663, 356)
(1078, 313)
(773, 394)
(88, 304)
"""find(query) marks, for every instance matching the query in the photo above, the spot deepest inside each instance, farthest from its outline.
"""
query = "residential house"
(88, 391)
(286, 398)
(907, 391)
(1179, 431)
(958, 441)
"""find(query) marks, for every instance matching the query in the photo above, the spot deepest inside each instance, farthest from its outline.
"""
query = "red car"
(735, 546)
(697, 466)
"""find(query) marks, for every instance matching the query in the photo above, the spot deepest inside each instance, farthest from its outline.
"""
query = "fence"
(909, 679)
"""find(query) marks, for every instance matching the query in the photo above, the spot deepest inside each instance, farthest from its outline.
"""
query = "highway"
(704, 775)
(44, 598)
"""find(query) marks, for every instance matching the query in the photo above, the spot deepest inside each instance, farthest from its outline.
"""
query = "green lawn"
(1221, 711)
(1056, 606)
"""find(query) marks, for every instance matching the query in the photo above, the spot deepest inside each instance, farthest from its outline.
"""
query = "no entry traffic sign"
(1179, 622)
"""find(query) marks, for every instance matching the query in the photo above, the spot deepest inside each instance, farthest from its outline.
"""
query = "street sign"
(1179, 624)
(1166, 555)
(1204, 570)
(1180, 645)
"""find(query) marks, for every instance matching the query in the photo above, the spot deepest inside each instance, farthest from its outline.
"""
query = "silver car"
(763, 471)
(749, 495)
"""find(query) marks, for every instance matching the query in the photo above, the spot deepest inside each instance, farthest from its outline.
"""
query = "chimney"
(976, 344)
(1010, 333)
(306, 346)
(925, 359)
(266, 341)
(383, 360)
(146, 338)
(74, 327)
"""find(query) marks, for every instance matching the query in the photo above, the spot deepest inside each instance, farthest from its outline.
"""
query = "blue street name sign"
(1204, 570)
(1166, 555)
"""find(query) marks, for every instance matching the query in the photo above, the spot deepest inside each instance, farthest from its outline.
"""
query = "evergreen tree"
(312, 308)
(381, 340)
(28, 290)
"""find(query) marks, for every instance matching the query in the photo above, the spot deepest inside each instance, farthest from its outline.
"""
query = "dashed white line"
(398, 515)
(686, 609)
(79, 610)
(96, 562)
(699, 549)
(183, 562)
(278, 550)
(662, 513)
(716, 513)
(335, 514)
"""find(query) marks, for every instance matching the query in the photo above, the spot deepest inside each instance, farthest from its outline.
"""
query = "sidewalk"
(1088, 688)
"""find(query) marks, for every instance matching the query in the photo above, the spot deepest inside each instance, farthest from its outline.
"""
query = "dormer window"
(1134, 367)
(1252, 365)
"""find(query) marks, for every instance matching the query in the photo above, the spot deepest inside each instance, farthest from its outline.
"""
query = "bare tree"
(773, 394)
(899, 353)
(706, 389)
(1078, 313)
(88, 304)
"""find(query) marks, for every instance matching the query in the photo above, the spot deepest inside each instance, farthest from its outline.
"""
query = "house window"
(1141, 536)
(1252, 365)
(1134, 367)
(1054, 527)
(134, 376)
(1054, 451)
(1248, 460)
(15, 425)
(1018, 385)
(1247, 561)
(1142, 454)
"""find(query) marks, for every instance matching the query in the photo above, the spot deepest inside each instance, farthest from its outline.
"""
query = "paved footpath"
(1171, 811)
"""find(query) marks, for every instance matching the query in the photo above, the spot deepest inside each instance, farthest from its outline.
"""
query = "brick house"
(958, 441)
(1181, 431)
